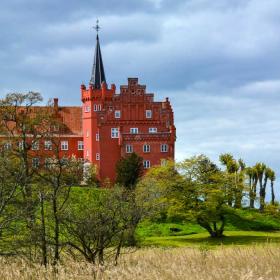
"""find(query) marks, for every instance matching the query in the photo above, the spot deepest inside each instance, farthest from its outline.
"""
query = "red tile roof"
(72, 118)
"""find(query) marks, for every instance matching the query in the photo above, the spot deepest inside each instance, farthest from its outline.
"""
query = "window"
(35, 162)
(146, 148)
(21, 145)
(80, 145)
(64, 145)
(148, 114)
(129, 148)
(114, 132)
(48, 145)
(87, 109)
(152, 130)
(35, 146)
(97, 107)
(97, 156)
(146, 164)
(97, 137)
(7, 146)
(163, 162)
(164, 148)
(117, 114)
(134, 130)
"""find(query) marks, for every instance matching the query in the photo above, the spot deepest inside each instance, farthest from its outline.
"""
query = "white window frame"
(163, 162)
(164, 148)
(97, 156)
(152, 129)
(48, 145)
(87, 109)
(146, 164)
(35, 146)
(97, 107)
(146, 148)
(128, 148)
(134, 130)
(80, 145)
(97, 137)
(117, 114)
(149, 114)
(64, 145)
(114, 132)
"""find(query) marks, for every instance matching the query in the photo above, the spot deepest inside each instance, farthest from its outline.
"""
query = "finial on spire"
(97, 26)
(98, 73)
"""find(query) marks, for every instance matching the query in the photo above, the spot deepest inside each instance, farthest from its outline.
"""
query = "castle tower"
(93, 99)
(117, 124)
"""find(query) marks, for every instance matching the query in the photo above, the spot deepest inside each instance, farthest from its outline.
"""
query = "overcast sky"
(218, 61)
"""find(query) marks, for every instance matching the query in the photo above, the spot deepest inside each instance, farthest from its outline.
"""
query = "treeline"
(54, 209)
(49, 204)
(197, 189)
(248, 180)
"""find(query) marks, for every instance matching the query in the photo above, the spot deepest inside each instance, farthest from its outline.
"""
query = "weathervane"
(97, 26)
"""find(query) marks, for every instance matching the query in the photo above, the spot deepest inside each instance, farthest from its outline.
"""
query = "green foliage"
(129, 169)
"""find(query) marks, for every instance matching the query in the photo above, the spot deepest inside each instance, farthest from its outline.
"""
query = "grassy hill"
(243, 227)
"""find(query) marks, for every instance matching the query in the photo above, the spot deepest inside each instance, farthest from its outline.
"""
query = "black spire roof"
(98, 74)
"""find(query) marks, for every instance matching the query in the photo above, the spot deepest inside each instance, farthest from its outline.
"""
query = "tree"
(235, 173)
(270, 174)
(22, 126)
(58, 176)
(10, 179)
(193, 189)
(260, 170)
(253, 179)
(129, 169)
(97, 224)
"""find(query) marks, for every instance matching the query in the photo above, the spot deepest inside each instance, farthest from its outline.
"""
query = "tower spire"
(98, 73)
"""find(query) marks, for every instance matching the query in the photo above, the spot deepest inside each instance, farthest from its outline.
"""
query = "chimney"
(55, 104)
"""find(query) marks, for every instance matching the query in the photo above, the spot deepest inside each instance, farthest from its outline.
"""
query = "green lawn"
(243, 227)
(202, 239)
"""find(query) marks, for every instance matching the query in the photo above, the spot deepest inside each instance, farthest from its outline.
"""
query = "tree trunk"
(56, 230)
(262, 193)
(43, 232)
(253, 194)
(272, 194)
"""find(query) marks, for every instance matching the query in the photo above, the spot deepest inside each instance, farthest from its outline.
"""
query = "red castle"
(111, 125)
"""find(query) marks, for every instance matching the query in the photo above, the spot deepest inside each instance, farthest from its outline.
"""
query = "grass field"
(240, 238)
(224, 263)
(242, 228)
